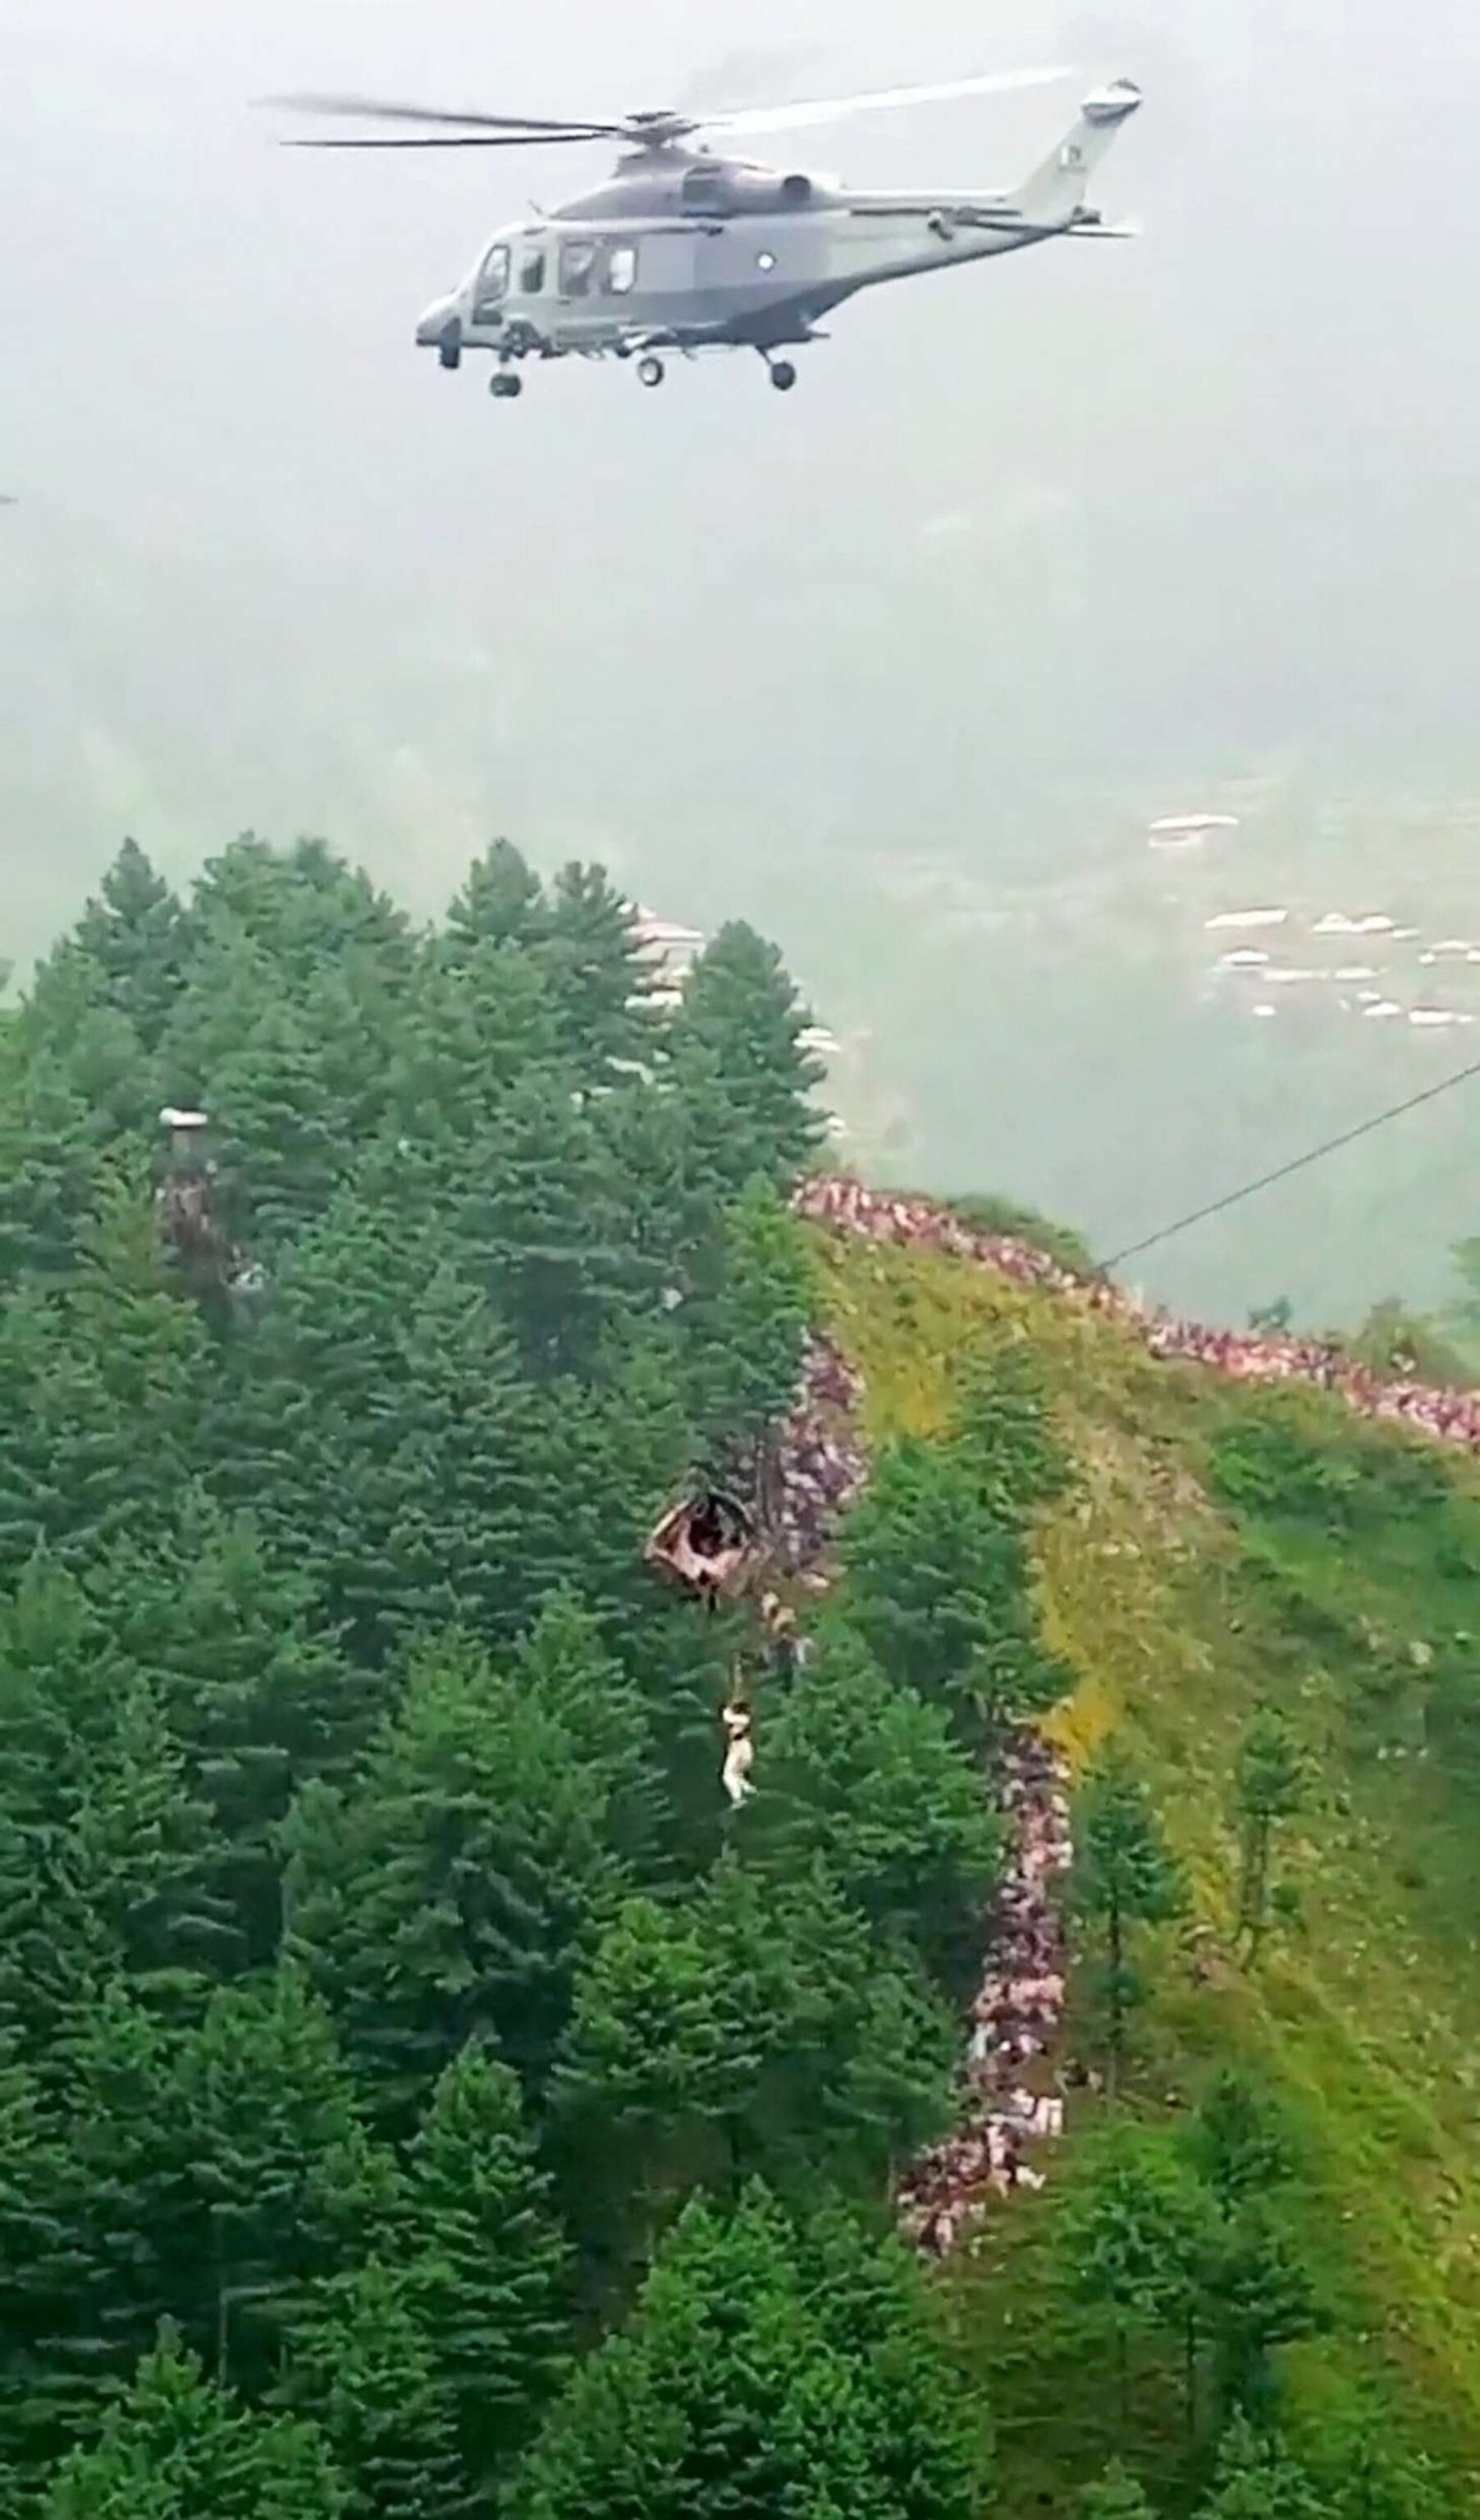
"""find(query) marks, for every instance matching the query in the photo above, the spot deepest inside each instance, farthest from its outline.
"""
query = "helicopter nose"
(434, 323)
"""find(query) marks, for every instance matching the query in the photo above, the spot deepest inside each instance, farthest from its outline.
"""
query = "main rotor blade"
(797, 117)
(362, 109)
(464, 140)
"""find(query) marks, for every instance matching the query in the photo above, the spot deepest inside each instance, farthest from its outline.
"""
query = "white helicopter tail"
(1052, 195)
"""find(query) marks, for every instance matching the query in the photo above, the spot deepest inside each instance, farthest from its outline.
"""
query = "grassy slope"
(1176, 1614)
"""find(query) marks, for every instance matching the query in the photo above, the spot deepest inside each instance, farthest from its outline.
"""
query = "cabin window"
(621, 270)
(532, 273)
(493, 285)
(578, 266)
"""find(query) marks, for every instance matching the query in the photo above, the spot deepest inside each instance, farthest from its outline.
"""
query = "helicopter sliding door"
(629, 275)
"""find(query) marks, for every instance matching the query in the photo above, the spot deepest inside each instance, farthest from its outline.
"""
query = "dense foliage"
(419, 2094)
(377, 1975)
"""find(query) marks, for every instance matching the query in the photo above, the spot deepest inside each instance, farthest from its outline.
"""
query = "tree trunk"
(223, 2308)
(1256, 1882)
(1116, 1926)
(1190, 2370)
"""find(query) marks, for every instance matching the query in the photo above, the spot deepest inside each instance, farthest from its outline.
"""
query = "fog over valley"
(902, 667)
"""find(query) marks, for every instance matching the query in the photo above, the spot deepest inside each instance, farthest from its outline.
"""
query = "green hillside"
(1217, 1547)
(437, 2080)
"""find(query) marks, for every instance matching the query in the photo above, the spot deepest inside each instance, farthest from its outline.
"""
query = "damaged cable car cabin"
(705, 1544)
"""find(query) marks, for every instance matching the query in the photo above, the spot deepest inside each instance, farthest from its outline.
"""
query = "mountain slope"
(1220, 1546)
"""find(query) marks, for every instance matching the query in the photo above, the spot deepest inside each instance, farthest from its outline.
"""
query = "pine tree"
(479, 1016)
(562, 1664)
(1116, 2496)
(100, 1385)
(1126, 1877)
(547, 1216)
(230, 986)
(460, 1885)
(741, 1013)
(924, 2435)
(501, 903)
(447, 1542)
(646, 2075)
(382, 1434)
(305, 909)
(120, 2206)
(266, 2096)
(1238, 2141)
(746, 1341)
(1262, 2296)
(284, 1135)
(742, 2388)
(1257, 2480)
(650, 1145)
(363, 2365)
(78, 1020)
(48, 1158)
(611, 1456)
(138, 1860)
(31, 2240)
(61, 1685)
(939, 1587)
(261, 1698)
(1003, 1429)
(867, 1778)
(1373, 2469)
(1132, 2239)
(177, 2448)
(137, 937)
(834, 2051)
(1271, 1784)
(598, 979)
(490, 2270)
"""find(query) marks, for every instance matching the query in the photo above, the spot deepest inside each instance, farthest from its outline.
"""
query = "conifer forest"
(426, 2091)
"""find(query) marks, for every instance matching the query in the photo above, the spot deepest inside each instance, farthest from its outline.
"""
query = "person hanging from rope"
(739, 1755)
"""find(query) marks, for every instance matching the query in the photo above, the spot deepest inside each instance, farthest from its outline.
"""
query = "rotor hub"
(659, 130)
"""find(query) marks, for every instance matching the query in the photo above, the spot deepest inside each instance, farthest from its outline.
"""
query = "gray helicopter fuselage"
(683, 249)
(699, 251)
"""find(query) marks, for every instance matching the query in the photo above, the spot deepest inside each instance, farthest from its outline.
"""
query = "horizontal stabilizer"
(1112, 104)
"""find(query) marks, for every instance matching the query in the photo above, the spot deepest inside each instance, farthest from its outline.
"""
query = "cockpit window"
(578, 265)
(493, 285)
(532, 272)
(621, 270)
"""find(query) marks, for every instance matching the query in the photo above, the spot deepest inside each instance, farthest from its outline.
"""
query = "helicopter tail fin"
(1057, 188)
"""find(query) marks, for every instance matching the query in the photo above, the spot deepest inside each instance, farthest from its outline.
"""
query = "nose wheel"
(505, 386)
(651, 371)
(782, 374)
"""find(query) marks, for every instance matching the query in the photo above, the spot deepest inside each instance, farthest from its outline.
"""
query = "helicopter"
(686, 248)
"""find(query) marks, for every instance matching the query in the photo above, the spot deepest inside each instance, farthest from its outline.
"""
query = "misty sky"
(1032, 552)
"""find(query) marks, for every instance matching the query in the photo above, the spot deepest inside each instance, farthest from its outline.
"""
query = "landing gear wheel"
(651, 371)
(503, 386)
(450, 347)
(782, 374)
